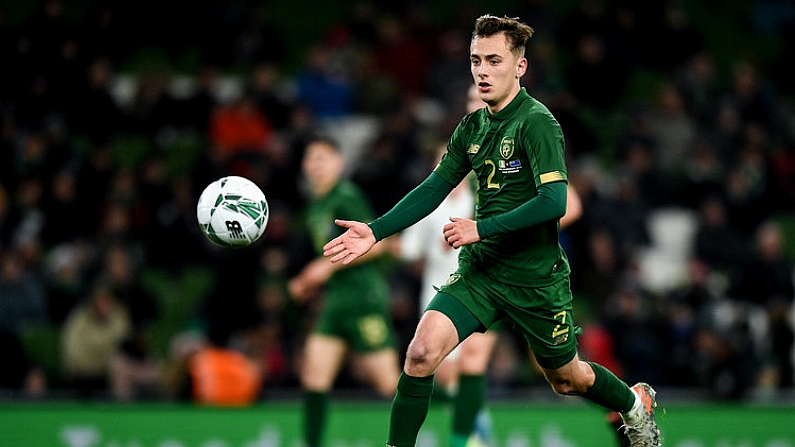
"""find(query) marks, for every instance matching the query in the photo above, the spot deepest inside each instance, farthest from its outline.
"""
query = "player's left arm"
(548, 204)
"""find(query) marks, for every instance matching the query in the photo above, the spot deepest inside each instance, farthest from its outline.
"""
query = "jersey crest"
(506, 147)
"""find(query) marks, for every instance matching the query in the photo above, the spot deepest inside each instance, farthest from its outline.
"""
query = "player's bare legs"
(447, 374)
(322, 360)
(434, 338)
(571, 379)
(476, 353)
(380, 369)
(601, 386)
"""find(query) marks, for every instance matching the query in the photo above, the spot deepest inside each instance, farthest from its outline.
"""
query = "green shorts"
(364, 328)
(543, 315)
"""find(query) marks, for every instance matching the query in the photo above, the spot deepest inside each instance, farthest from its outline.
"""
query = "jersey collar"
(509, 110)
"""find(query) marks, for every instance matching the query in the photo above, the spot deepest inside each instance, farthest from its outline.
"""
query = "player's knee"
(421, 358)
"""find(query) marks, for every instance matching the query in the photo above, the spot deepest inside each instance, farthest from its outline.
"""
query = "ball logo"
(235, 229)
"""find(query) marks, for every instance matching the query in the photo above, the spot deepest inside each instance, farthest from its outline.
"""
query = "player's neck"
(497, 108)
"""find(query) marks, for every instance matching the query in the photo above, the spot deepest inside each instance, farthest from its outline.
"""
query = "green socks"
(315, 410)
(409, 409)
(609, 391)
(466, 406)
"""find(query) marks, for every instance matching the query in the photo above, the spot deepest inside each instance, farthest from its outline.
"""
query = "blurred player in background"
(355, 313)
(511, 265)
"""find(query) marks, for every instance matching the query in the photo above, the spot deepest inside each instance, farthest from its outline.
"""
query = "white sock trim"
(631, 417)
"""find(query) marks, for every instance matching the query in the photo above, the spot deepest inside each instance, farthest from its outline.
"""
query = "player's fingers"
(344, 223)
(333, 250)
(349, 258)
(339, 257)
(332, 246)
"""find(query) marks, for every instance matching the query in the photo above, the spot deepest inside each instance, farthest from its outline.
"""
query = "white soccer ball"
(232, 212)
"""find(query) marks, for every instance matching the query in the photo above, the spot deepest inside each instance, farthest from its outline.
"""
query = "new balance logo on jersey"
(234, 229)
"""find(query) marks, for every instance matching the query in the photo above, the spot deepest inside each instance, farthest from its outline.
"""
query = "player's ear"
(521, 67)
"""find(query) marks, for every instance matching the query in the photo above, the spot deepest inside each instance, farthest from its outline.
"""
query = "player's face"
(495, 70)
(322, 166)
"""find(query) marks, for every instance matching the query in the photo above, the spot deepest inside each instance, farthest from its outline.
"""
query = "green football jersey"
(512, 153)
(357, 283)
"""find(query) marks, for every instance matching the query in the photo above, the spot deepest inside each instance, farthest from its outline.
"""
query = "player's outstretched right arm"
(357, 240)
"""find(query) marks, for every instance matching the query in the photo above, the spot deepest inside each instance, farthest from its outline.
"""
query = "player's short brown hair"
(516, 32)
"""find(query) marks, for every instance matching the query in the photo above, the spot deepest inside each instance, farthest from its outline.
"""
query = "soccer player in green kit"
(355, 313)
(511, 264)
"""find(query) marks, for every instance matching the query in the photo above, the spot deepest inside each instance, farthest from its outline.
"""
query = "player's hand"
(461, 232)
(351, 244)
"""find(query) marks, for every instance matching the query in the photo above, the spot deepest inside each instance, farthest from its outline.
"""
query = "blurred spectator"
(745, 187)
(66, 268)
(197, 107)
(121, 272)
(766, 280)
(697, 81)
(173, 224)
(689, 309)
(223, 376)
(724, 361)
(750, 95)
(718, 243)
(269, 339)
(176, 379)
(703, 174)
(323, 87)
(601, 271)
(269, 96)
(91, 335)
(23, 300)
(673, 130)
(65, 219)
(630, 317)
(135, 373)
(94, 112)
(241, 135)
(153, 107)
(94, 177)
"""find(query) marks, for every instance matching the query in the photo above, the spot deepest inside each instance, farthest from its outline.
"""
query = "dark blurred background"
(680, 134)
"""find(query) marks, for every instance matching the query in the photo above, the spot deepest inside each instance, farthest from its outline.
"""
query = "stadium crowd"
(683, 261)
